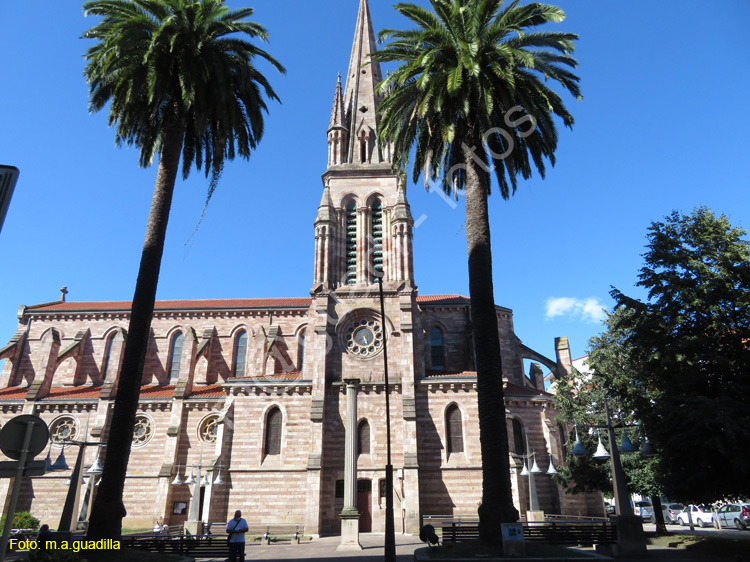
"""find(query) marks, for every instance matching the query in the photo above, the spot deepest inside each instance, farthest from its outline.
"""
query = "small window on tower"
(362, 151)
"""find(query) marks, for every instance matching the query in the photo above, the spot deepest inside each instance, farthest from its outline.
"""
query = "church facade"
(247, 397)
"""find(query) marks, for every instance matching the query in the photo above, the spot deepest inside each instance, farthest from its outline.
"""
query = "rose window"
(143, 431)
(64, 428)
(207, 428)
(364, 338)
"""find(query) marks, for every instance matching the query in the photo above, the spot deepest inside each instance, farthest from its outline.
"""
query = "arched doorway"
(364, 505)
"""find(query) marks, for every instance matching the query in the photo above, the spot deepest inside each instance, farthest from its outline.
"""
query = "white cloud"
(589, 310)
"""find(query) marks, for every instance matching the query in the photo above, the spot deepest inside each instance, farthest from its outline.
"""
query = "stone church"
(246, 400)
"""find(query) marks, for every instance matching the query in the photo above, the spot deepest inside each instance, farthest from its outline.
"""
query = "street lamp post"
(74, 489)
(530, 468)
(192, 525)
(390, 530)
(630, 538)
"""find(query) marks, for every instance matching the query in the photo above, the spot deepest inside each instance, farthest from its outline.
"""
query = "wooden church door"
(364, 505)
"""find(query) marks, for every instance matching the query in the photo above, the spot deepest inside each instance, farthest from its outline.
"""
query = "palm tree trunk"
(497, 498)
(108, 509)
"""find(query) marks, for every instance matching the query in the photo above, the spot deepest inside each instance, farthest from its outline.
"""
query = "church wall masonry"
(251, 389)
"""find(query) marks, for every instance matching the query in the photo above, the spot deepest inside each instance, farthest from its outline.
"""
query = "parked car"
(643, 509)
(611, 511)
(701, 514)
(670, 512)
(733, 514)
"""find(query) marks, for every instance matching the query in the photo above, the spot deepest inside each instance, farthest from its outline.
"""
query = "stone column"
(350, 515)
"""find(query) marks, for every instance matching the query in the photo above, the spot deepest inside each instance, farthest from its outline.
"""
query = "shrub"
(22, 520)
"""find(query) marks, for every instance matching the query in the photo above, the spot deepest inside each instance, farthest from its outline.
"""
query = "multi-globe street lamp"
(631, 540)
(530, 468)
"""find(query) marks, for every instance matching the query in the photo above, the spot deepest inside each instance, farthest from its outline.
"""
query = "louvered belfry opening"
(377, 237)
(351, 243)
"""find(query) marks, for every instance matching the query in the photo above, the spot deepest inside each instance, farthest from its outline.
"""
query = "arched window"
(519, 443)
(454, 432)
(273, 432)
(107, 356)
(300, 350)
(377, 237)
(437, 349)
(240, 354)
(363, 438)
(351, 243)
(175, 354)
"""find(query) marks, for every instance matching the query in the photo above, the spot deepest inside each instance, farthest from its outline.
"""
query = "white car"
(701, 515)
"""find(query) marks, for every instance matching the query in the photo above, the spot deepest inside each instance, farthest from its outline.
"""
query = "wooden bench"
(458, 532)
(552, 532)
(286, 531)
(263, 532)
(571, 532)
(202, 546)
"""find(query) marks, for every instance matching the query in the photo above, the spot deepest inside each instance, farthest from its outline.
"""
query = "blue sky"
(662, 126)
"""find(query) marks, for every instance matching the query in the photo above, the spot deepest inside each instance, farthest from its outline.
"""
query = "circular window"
(63, 429)
(143, 431)
(208, 428)
(363, 338)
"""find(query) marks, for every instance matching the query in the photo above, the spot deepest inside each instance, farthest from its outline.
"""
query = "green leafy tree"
(179, 79)
(610, 374)
(690, 342)
(471, 96)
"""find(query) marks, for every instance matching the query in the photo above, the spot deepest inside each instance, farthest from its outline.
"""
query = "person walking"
(236, 529)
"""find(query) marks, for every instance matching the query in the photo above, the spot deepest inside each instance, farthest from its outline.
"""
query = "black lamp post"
(390, 531)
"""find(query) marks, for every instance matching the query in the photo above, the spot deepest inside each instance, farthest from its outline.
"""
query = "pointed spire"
(360, 99)
(401, 210)
(326, 212)
(337, 113)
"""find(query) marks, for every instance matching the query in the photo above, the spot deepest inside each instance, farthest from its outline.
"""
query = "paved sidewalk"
(324, 548)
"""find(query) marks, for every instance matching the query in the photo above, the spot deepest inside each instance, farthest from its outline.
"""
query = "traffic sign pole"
(16, 489)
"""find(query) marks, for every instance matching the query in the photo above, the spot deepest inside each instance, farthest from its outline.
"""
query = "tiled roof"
(157, 391)
(207, 391)
(73, 392)
(443, 299)
(290, 376)
(223, 304)
(13, 393)
(450, 374)
(511, 389)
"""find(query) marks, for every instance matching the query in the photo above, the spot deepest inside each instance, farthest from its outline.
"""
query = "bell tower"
(363, 230)
(364, 223)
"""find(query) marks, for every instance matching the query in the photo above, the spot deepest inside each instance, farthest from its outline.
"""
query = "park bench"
(201, 546)
(458, 532)
(571, 532)
(552, 532)
(266, 533)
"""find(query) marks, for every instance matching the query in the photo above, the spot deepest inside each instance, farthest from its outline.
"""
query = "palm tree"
(179, 79)
(470, 96)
